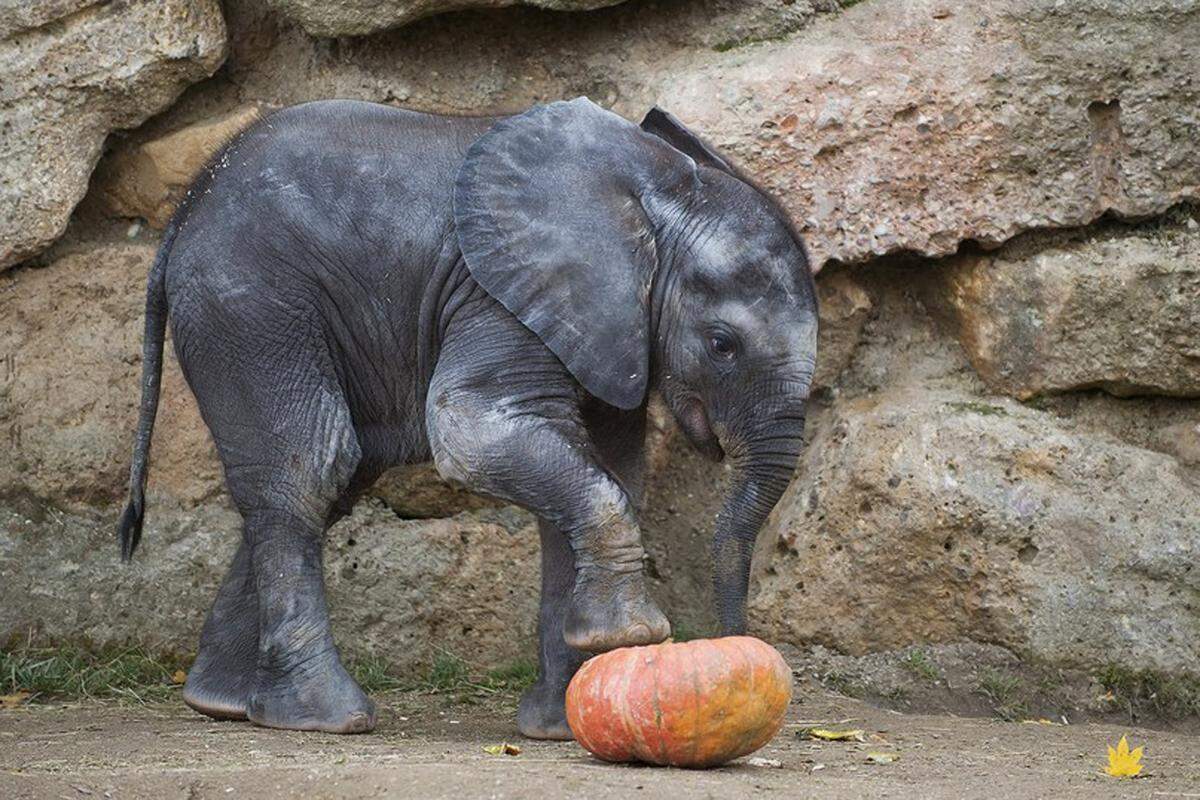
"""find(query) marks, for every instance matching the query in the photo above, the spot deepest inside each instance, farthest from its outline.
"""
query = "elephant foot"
(316, 694)
(217, 691)
(542, 714)
(220, 681)
(611, 609)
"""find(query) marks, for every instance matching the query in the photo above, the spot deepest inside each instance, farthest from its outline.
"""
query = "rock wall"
(1004, 441)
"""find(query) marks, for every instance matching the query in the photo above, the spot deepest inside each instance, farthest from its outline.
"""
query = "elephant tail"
(129, 531)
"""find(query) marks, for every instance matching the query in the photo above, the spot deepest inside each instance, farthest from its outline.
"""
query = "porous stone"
(911, 125)
(358, 17)
(70, 386)
(400, 591)
(939, 516)
(74, 72)
(418, 491)
(1117, 311)
(147, 180)
(845, 306)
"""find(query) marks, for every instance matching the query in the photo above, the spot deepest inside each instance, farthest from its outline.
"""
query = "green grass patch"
(451, 674)
(62, 673)
(920, 664)
(138, 675)
(1146, 691)
(1007, 693)
(843, 684)
(375, 676)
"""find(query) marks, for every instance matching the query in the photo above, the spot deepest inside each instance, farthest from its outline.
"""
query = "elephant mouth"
(694, 422)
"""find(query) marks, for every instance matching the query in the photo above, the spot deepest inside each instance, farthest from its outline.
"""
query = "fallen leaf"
(504, 749)
(13, 700)
(179, 677)
(1123, 763)
(827, 735)
(882, 758)
(758, 761)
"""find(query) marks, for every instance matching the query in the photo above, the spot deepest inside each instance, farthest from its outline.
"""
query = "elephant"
(353, 286)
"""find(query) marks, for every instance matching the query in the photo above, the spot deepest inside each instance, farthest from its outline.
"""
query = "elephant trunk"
(763, 462)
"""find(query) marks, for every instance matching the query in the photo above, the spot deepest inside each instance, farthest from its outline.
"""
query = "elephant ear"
(665, 126)
(549, 219)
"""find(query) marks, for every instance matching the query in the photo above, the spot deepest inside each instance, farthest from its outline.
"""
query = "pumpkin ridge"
(697, 703)
(749, 733)
(658, 717)
(633, 730)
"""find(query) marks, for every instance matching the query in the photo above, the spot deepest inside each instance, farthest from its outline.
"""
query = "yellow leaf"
(1122, 763)
(13, 700)
(179, 678)
(504, 749)
(836, 736)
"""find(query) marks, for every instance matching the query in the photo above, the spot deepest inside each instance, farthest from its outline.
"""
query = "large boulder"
(71, 335)
(403, 591)
(358, 17)
(1119, 311)
(844, 308)
(73, 72)
(148, 179)
(912, 125)
(936, 516)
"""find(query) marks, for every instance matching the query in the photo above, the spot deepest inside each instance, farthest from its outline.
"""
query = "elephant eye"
(722, 346)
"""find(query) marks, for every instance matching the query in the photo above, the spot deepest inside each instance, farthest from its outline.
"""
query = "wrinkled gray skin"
(353, 286)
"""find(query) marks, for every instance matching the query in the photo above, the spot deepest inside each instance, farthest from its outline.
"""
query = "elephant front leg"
(610, 606)
(546, 463)
(542, 713)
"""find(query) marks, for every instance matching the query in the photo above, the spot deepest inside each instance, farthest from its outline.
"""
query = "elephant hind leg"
(290, 452)
(300, 683)
(220, 681)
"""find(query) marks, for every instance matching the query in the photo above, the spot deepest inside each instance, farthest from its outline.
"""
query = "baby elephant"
(352, 286)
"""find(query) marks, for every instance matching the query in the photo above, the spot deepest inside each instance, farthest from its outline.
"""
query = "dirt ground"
(429, 747)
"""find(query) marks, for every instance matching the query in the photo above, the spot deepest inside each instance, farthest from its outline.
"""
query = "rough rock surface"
(399, 590)
(358, 17)
(899, 125)
(905, 125)
(1118, 313)
(935, 516)
(148, 180)
(917, 124)
(73, 72)
(845, 306)
(418, 491)
(70, 335)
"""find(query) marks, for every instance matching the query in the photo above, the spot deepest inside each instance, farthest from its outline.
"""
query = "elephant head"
(644, 260)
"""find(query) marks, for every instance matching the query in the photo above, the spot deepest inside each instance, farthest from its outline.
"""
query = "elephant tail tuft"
(129, 530)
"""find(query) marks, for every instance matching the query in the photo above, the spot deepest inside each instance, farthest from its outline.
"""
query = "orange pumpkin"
(686, 704)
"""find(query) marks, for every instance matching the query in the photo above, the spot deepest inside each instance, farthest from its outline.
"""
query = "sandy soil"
(427, 747)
